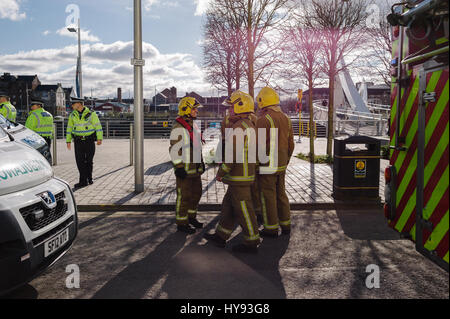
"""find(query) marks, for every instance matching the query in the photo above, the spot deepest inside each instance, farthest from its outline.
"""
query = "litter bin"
(356, 168)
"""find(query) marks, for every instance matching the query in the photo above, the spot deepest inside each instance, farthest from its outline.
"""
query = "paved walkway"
(114, 177)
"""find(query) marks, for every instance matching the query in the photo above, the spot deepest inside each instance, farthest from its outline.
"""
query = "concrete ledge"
(217, 207)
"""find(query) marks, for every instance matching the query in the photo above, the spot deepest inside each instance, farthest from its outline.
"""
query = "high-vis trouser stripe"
(285, 223)
(192, 211)
(264, 209)
(224, 230)
(251, 238)
(247, 219)
(179, 204)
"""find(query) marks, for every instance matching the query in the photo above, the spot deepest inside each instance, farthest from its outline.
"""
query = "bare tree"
(341, 25)
(380, 41)
(259, 17)
(223, 51)
(301, 53)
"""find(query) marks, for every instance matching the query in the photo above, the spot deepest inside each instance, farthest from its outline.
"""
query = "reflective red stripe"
(438, 214)
(442, 248)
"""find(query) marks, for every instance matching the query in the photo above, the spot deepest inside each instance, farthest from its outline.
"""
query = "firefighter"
(84, 128)
(226, 124)
(6, 108)
(239, 174)
(279, 146)
(188, 169)
(40, 121)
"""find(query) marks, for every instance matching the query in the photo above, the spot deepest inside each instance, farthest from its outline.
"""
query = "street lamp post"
(71, 29)
(138, 64)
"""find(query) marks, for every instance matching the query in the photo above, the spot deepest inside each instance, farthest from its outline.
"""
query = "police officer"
(279, 143)
(239, 173)
(84, 128)
(40, 121)
(187, 170)
(6, 108)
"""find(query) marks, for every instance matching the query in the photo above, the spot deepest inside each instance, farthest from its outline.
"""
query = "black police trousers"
(84, 155)
(48, 140)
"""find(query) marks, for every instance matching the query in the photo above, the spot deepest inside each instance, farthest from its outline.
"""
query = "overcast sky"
(35, 41)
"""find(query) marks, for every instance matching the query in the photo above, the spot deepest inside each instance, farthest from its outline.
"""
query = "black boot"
(80, 185)
(186, 229)
(246, 249)
(90, 181)
(265, 233)
(285, 232)
(216, 239)
(260, 219)
(194, 222)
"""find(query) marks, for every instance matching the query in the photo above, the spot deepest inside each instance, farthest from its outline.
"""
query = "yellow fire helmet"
(186, 105)
(227, 101)
(267, 97)
(242, 102)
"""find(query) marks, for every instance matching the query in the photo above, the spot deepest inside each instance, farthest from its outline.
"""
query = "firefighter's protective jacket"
(242, 172)
(192, 169)
(273, 117)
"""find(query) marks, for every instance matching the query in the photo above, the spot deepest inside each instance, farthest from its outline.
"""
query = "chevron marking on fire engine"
(436, 174)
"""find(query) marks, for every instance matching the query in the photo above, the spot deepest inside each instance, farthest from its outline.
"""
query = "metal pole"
(138, 63)
(131, 144)
(79, 55)
(55, 154)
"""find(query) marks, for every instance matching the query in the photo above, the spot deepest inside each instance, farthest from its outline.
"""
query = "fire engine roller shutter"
(435, 162)
(433, 169)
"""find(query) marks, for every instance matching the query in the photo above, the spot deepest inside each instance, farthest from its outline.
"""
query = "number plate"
(56, 242)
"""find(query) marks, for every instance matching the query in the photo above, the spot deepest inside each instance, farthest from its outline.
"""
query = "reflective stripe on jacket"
(41, 122)
(8, 111)
(242, 171)
(84, 125)
(279, 142)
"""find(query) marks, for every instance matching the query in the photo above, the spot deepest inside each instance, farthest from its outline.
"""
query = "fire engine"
(417, 179)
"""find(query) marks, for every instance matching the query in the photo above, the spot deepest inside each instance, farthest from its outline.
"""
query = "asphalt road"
(140, 255)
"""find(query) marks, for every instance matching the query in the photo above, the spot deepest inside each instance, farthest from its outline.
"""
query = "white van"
(26, 136)
(38, 216)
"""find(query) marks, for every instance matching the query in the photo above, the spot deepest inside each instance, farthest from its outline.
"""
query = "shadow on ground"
(196, 269)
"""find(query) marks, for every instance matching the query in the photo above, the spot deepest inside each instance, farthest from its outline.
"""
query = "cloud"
(10, 9)
(202, 6)
(46, 32)
(85, 35)
(148, 4)
(107, 67)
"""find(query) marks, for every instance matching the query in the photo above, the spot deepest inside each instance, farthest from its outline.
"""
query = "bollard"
(107, 129)
(131, 143)
(55, 155)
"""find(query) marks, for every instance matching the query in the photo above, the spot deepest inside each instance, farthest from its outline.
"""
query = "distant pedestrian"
(40, 121)
(84, 128)
(6, 108)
